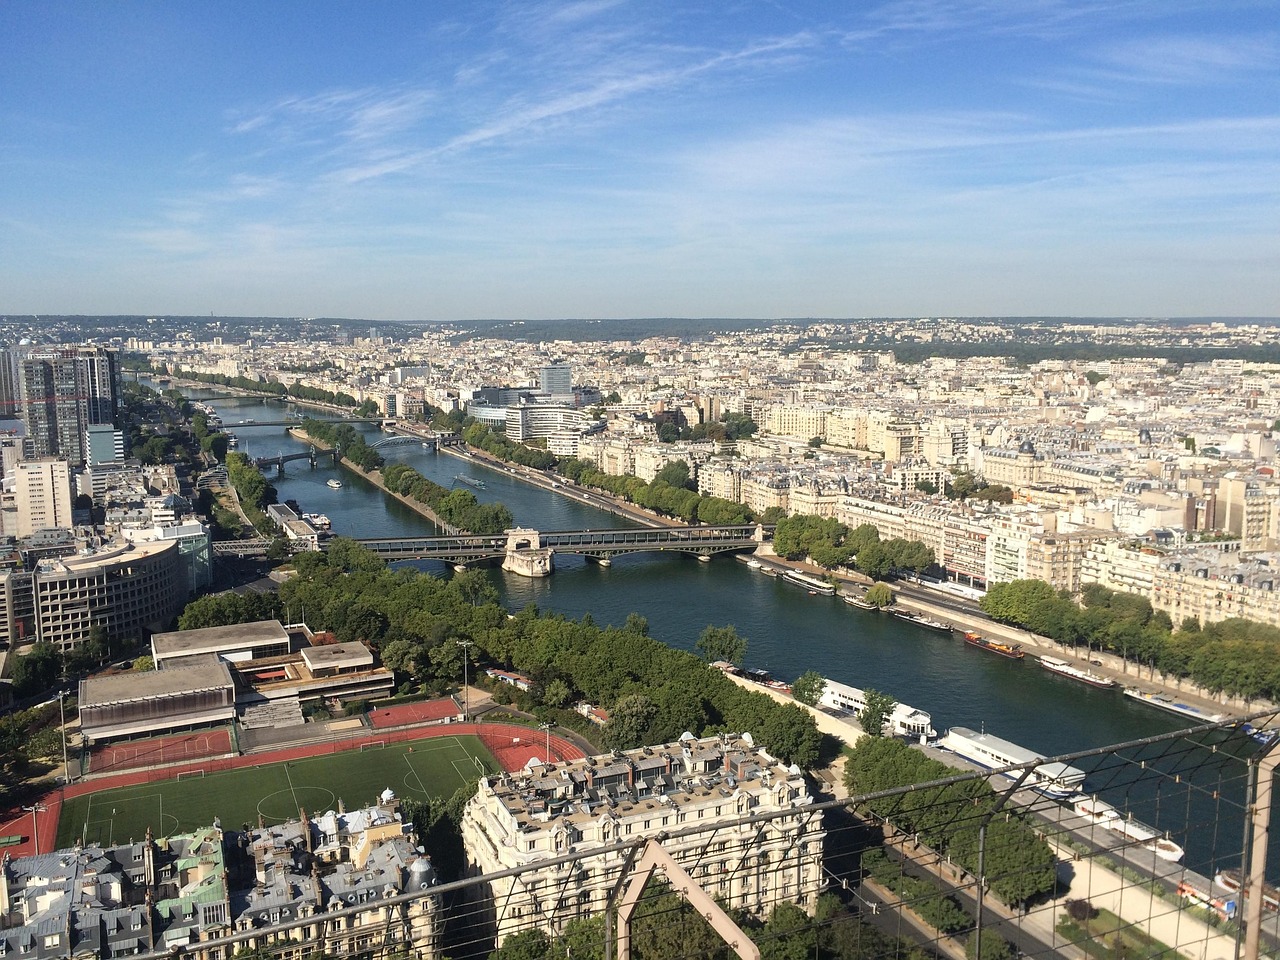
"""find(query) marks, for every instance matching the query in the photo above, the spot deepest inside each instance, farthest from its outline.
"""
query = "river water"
(788, 630)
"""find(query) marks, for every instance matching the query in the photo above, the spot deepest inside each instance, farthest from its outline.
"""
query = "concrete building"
(155, 701)
(520, 820)
(42, 495)
(64, 390)
(127, 589)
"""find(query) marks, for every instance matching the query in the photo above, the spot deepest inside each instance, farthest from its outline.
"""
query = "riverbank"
(961, 615)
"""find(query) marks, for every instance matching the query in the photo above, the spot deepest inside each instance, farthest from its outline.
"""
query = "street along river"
(788, 630)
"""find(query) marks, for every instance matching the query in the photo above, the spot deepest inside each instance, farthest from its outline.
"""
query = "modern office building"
(691, 790)
(127, 589)
(556, 380)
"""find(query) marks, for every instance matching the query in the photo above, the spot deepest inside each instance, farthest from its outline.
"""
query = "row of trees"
(666, 926)
(1018, 865)
(831, 544)
(273, 388)
(1240, 658)
(669, 493)
(495, 443)
(653, 692)
(458, 508)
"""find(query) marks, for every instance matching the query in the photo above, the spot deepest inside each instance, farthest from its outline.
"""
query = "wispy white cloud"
(1189, 59)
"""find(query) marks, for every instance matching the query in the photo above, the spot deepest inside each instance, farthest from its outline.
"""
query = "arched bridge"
(702, 541)
(311, 456)
(401, 440)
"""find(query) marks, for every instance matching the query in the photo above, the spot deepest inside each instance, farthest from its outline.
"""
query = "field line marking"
(292, 792)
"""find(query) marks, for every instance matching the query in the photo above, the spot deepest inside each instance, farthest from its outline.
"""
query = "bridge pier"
(525, 554)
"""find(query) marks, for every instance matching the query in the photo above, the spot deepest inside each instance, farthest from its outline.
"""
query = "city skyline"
(595, 159)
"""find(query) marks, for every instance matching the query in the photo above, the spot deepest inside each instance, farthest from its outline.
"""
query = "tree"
(875, 713)
(721, 643)
(629, 722)
(881, 595)
(808, 687)
(994, 947)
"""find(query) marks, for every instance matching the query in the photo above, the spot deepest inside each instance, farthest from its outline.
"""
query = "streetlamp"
(466, 696)
(35, 827)
(547, 727)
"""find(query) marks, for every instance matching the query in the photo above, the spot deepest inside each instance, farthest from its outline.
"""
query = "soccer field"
(413, 770)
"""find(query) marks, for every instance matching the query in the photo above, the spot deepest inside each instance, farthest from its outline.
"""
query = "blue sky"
(439, 160)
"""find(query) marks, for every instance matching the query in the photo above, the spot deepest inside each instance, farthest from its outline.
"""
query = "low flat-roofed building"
(338, 671)
(236, 643)
(335, 658)
(134, 703)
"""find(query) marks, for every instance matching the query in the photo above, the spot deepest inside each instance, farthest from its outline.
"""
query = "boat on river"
(903, 721)
(1062, 668)
(763, 678)
(991, 752)
(1013, 651)
(1109, 818)
(920, 620)
(318, 520)
(859, 601)
(810, 583)
(469, 481)
(1165, 702)
(335, 484)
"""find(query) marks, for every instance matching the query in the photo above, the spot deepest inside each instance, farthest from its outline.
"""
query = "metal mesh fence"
(1147, 860)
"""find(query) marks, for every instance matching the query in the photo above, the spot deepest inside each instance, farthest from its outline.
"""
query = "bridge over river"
(529, 551)
(521, 548)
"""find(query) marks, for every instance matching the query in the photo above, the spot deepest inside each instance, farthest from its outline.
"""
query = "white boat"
(317, 520)
(1166, 702)
(903, 721)
(753, 563)
(990, 751)
(1109, 818)
(1054, 665)
(335, 484)
(813, 584)
(854, 600)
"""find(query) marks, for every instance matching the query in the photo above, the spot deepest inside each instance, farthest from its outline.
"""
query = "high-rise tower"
(63, 391)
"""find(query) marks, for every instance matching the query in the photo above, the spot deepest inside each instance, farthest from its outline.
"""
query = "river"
(788, 630)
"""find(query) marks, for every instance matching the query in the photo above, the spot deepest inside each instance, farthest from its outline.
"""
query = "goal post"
(373, 745)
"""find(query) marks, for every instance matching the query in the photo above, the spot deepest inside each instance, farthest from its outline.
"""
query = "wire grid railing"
(885, 892)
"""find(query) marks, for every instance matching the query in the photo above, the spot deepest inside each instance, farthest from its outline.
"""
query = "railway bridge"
(530, 552)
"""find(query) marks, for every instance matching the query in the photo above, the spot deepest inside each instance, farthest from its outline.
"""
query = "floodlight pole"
(547, 727)
(62, 712)
(466, 697)
(35, 826)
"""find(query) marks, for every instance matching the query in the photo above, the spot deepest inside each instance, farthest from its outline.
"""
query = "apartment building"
(691, 788)
(42, 495)
(337, 878)
(1206, 583)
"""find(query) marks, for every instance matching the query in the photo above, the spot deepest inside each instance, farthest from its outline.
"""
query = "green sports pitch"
(276, 792)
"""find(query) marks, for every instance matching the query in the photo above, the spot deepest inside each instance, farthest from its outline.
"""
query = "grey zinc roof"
(143, 685)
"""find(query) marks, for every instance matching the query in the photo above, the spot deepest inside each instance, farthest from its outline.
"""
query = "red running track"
(511, 744)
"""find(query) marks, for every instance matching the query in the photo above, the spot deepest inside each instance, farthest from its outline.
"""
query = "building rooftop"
(335, 656)
(219, 639)
(144, 685)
